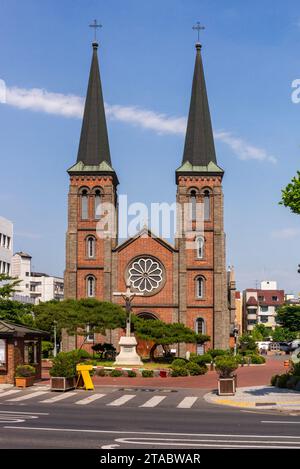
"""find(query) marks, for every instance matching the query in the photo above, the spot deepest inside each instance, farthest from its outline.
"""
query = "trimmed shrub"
(194, 369)
(147, 373)
(226, 365)
(178, 363)
(179, 372)
(215, 352)
(296, 369)
(257, 359)
(131, 374)
(79, 355)
(116, 373)
(292, 382)
(64, 365)
(282, 380)
(274, 380)
(201, 359)
(100, 372)
(25, 371)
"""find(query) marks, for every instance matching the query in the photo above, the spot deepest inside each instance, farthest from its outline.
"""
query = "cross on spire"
(198, 27)
(95, 25)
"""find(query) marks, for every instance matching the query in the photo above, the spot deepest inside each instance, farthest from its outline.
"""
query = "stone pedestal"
(128, 355)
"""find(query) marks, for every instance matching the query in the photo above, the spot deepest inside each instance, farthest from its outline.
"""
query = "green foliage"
(116, 373)
(179, 372)
(147, 373)
(178, 363)
(282, 334)
(74, 315)
(25, 371)
(288, 316)
(131, 374)
(195, 370)
(282, 380)
(80, 354)
(8, 285)
(16, 312)
(47, 348)
(162, 333)
(274, 380)
(247, 343)
(226, 365)
(257, 359)
(217, 352)
(296, 369)
(291, 195)
(292, 382)
(261, 332)
(201, 359)
(64, 365)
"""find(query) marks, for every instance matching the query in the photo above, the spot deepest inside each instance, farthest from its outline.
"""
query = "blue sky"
(251, 56)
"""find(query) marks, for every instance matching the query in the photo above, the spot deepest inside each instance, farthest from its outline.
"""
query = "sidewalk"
(254, 375)
(258, 397)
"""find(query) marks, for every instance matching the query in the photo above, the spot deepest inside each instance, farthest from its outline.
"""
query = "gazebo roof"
(10, 328)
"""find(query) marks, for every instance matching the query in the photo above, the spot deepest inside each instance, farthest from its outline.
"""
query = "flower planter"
(24, 382)
(59, 383)
(163, 373)
(227, 386)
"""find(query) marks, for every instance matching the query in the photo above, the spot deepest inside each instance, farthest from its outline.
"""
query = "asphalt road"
(32, 423)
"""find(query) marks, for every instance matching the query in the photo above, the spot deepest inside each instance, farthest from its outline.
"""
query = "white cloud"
(41, 100)
(286, 233)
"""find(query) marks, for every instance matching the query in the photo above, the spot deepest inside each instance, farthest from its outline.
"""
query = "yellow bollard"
(84, 378)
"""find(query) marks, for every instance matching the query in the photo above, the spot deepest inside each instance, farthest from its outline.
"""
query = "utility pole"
(55, 345)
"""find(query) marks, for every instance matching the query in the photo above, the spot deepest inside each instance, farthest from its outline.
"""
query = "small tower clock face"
(145, 274)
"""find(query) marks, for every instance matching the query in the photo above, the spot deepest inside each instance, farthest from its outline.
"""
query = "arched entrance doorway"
(144, 346)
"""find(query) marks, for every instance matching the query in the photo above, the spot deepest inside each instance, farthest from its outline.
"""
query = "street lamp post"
(55, 344)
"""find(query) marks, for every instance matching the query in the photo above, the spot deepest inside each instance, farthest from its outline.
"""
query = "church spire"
(199, 148)
(93, 145)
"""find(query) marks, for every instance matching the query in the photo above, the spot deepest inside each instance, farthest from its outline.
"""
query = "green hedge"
(147, 373)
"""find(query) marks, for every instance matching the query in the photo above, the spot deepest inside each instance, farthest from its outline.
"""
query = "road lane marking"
(187, 402)
(8, 393)
(27, 396)
(122, 400)
(153, 402)
(280, 421)
(23, 413)
(60, 397)
(120, 432)
(89, 399)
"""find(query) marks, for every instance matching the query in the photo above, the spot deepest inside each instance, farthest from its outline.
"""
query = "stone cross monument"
(128, 354)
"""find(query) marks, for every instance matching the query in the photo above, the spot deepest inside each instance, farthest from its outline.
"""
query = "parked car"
(284, 347)
(294, 344)
(262, 346)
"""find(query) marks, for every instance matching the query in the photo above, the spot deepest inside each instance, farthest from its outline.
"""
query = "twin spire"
(199, 151)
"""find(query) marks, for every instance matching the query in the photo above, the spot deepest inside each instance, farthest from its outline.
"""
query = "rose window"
(145, 274)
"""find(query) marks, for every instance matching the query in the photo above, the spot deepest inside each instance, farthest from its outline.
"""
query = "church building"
(179, 283)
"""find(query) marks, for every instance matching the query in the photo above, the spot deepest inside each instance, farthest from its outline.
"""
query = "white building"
(35, 286)
(260, 305)
(6, 245)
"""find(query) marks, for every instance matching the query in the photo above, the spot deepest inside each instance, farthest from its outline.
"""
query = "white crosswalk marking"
(89, 399)
(27, 396)
(154, 401)
(122, 400)
(187, 402)
(60, 397)
(9, 393)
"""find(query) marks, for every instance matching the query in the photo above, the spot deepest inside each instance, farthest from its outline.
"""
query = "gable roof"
(150, 234)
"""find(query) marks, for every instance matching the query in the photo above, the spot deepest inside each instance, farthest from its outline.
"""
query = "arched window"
(97, 205)
(200, 326)
(193, 201)
(90, 283)
(90, 247)
(84, 204)
(200, 287)
(200, 247)
(206, 205)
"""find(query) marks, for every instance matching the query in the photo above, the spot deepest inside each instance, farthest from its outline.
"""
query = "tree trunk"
(152, 350)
